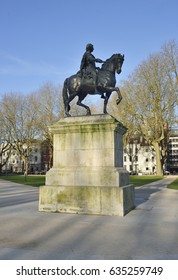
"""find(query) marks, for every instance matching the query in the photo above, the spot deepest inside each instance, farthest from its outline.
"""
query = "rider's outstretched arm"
(99, 60)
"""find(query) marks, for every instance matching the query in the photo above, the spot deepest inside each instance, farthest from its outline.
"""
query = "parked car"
(133, 173)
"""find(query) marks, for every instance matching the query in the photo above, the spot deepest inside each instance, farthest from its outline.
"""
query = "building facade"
(172, 162)
(138, 157)
(37, 160)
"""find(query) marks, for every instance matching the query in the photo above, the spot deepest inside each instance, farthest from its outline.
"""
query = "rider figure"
(87, 67)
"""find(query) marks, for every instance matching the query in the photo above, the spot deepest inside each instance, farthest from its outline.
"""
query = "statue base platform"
(88, 175)
(87, 200)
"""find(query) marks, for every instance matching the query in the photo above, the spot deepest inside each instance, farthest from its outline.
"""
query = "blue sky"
(44, 40)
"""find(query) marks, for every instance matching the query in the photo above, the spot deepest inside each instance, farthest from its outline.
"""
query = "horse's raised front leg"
(110, 89)
(79, 102)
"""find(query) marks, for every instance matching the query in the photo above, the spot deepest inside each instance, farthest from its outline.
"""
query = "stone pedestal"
(88, 175)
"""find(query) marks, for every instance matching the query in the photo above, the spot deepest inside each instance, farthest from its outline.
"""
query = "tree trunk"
(159, 168)
(25, 167)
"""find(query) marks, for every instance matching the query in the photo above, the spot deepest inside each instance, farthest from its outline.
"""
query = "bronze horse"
(105, 83)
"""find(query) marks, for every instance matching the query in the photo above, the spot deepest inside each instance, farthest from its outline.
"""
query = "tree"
(5, 143)
(19, 115)
(149, 100)
(50, 109)
(5, 147)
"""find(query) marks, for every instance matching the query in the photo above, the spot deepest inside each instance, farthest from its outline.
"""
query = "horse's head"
(114, 63)
(119, 61)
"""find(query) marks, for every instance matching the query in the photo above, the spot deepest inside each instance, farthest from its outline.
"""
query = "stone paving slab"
(148, 232)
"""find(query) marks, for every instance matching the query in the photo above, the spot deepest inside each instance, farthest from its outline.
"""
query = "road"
(148, 232)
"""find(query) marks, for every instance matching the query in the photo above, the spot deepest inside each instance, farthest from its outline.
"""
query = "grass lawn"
(143, 180)
(39, 180)
(173, 185)
(32, 180)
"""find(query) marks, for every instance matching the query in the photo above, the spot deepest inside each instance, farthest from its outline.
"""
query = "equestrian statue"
(93, 80)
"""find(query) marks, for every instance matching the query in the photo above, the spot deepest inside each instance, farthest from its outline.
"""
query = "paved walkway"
(148, 232)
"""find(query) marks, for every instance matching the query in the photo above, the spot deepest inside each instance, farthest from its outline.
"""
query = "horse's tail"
(65, 92)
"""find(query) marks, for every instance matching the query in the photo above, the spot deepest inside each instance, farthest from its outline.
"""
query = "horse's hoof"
(68, 115)
(88, 113)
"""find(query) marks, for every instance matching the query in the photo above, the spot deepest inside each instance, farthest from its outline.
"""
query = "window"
(36, 158)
